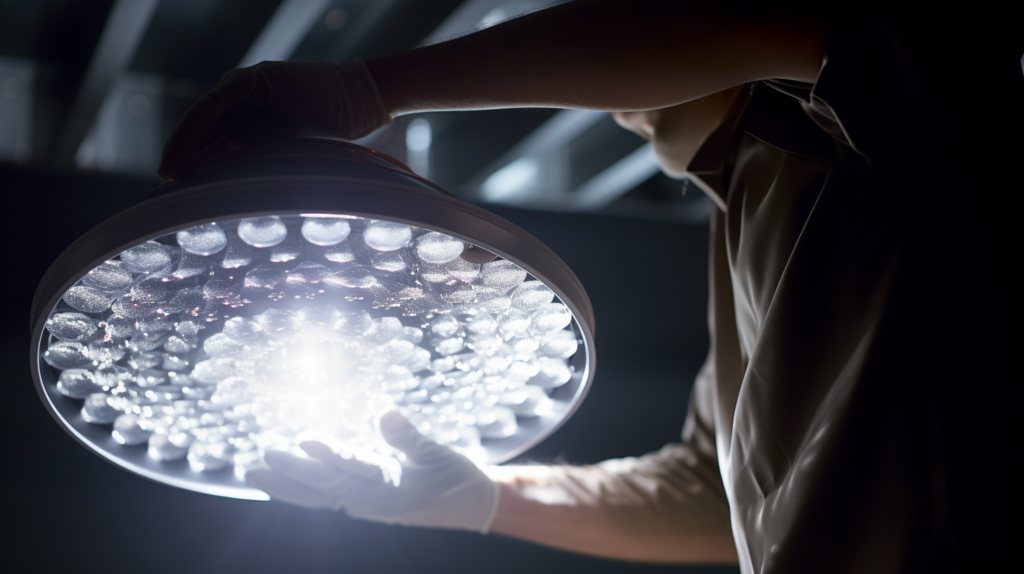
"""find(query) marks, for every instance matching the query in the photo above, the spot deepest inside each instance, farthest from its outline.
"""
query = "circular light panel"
(187, 355)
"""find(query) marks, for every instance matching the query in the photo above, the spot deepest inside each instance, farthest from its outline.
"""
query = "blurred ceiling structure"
(98, 86)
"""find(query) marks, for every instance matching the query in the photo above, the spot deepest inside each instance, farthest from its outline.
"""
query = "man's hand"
(437, 488)
(340, 99)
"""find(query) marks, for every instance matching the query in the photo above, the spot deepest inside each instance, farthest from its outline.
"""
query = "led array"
(218, 342)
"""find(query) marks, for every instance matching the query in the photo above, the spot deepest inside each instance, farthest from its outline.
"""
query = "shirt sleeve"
(676, 491)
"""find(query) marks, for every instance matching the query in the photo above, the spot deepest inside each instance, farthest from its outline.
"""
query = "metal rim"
(353, 187)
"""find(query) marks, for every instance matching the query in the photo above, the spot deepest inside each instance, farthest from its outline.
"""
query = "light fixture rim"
(567, 287)
(580, 302)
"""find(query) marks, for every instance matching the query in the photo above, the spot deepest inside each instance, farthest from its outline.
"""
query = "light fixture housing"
(294, 179)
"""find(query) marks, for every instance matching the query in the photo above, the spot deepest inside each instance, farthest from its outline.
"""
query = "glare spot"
(505, 182)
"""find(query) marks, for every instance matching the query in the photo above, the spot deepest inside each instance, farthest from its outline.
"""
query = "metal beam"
(468, 17)
(17, 80)
(534, 172)
(465, 18)
(616, 180)
(283, 32)
(126, 136)
(553, 134)
(121, 35)
(478, 14)
(357, 31)
(543, 146)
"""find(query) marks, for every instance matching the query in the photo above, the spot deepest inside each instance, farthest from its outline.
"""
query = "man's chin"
(670, 165)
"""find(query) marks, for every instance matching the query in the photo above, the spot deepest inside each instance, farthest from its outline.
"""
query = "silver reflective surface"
(219, 341)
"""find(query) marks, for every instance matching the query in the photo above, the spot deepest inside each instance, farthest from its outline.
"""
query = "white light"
(218, 364)
(505, 182)
(287, 27)
(418, 138)
(329, 215)
(418, 135)
(493, 17)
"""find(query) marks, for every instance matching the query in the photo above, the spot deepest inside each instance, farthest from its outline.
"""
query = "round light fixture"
(296, 289)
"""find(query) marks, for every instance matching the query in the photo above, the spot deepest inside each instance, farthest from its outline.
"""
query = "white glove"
(340, 99)
(437, 487)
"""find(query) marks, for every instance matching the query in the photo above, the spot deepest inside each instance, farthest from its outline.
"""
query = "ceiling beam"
(616, 180)
(544, 145)
(472, 15)
(284, 31)
(121, 35)
(464, 19)
(534, 173)
(359, 29)
(553, 134)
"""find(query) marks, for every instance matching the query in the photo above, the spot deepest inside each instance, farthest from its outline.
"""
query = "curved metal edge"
(377, 200)
(305, 147)
(96, 442)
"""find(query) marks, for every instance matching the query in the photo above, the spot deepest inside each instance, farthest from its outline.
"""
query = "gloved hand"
(438, 487)
(340, 99)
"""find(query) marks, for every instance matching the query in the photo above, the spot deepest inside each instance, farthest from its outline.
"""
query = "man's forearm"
(538, 504)
(599, 55)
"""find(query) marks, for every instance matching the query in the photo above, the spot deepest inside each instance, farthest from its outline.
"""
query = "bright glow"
(418, 135)
(493, 17)
(504, 183)
(417, 146)
(208, 344)
(286, 28)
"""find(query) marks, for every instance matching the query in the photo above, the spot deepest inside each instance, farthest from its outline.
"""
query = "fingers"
(314, 474)
(306, 470)
(237, 93)
(399, 433)
(321, 451)
(340, 99)
(284, 489)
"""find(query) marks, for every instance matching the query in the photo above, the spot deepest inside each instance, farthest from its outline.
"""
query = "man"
(812, 440)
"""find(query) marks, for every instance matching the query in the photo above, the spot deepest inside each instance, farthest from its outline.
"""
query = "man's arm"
(588, 54)
(669, 506)
(600, 55)
(633, 512)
